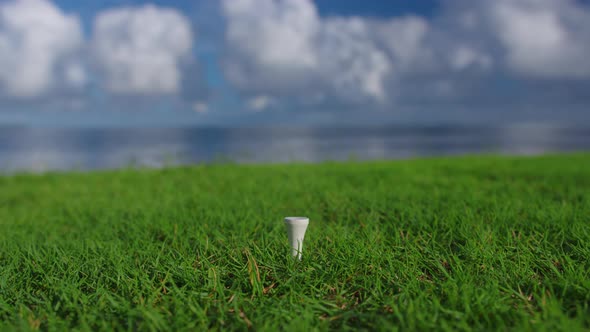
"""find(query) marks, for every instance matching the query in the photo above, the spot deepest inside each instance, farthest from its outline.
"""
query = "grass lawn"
(469, 243)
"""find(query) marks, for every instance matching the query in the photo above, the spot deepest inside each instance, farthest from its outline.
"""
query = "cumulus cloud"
(351, 64)
(37, 43)
(140, 50)
(403, 39)
(75, 74)
(274, 34)
(270, 44)
(285, 48)
(545, 38)
(283, 52)
(133, 51)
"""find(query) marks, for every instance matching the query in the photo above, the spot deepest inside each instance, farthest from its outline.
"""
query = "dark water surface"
(34, 149)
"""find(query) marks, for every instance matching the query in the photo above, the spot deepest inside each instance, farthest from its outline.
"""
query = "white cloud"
(36, 39)
(75, 74)
(285, 48)
(282, 52)
(351, 64)
(275, 34)
(271, 44)
(546, 38)
(140, 50)
(403, 38)
(464, 56)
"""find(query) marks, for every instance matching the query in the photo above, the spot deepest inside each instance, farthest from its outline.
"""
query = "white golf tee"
(296, 227)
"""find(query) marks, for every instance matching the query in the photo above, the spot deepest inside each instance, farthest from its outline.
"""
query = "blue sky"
(233, 62)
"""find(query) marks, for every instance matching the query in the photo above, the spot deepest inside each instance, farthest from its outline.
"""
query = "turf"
(470, 243)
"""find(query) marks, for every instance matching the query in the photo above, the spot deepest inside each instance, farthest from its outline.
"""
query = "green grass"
(470, 243)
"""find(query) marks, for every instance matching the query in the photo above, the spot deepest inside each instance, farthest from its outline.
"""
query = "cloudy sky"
(230, 62)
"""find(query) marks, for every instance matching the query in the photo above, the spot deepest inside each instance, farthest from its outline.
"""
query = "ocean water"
(45, 149)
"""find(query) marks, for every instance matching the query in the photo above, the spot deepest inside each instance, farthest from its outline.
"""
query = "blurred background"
(107, 84)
